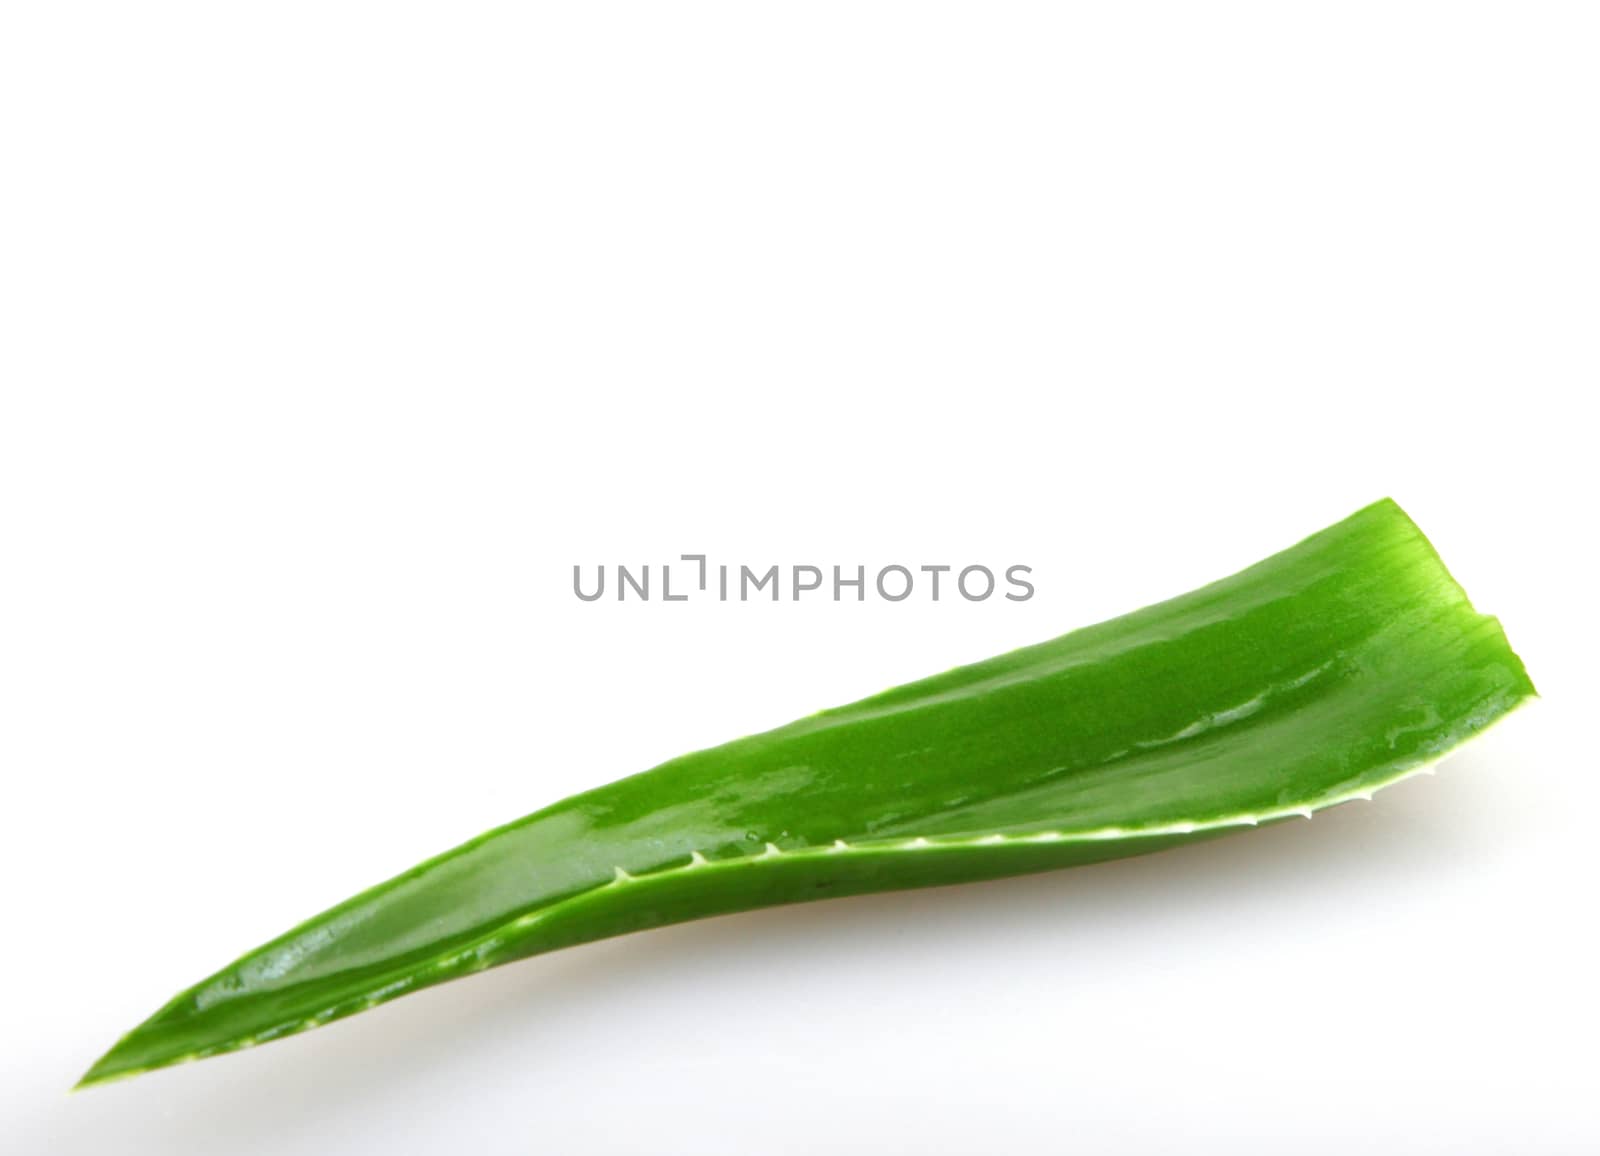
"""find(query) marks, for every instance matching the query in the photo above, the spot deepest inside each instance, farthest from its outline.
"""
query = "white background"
(333, 335)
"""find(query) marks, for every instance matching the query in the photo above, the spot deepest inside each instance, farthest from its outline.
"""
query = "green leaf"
(1317, 676)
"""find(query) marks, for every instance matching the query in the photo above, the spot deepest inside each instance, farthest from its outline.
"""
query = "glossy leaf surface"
(1314, 677)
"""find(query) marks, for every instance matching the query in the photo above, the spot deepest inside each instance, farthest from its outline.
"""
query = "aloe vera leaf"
(1316, 676)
